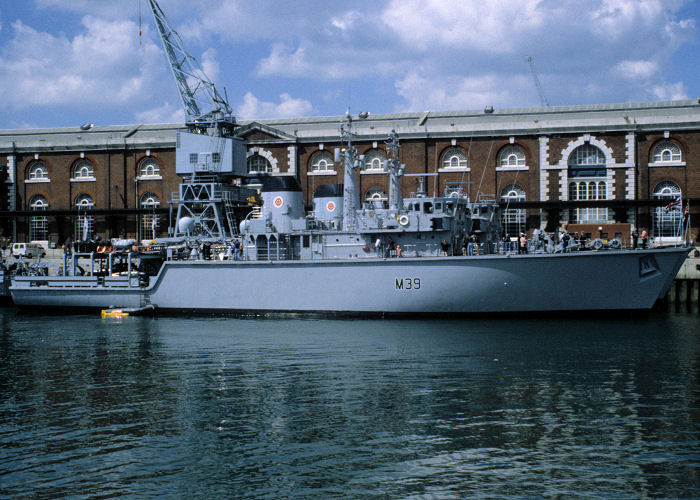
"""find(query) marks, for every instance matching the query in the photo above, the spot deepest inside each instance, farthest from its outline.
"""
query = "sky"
(66, 63)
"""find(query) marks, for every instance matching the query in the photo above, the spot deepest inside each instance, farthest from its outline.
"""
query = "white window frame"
(256, 158)
(512, 158)
(38, 225)
(31, 173)
(670, 148)
(448, 159)
(321, 164)
(374, 162)
(147, 164)
(78, 172)
(149, 200)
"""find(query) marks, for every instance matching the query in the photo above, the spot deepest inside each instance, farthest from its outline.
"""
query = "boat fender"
(403, 220)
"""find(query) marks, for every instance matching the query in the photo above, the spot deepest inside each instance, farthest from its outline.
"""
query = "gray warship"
(376, 259)
(397, 258)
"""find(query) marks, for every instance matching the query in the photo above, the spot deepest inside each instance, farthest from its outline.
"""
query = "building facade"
(601, 170)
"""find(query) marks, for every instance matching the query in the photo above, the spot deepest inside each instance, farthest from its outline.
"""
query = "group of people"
(635, 238)
(392, 248)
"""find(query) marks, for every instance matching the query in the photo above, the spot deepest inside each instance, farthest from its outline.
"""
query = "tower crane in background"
(210, 158)
(540, 91)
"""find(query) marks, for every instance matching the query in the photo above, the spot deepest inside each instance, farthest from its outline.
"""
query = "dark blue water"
(244, 408)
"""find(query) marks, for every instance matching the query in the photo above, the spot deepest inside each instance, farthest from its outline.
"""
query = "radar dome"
(185, 225)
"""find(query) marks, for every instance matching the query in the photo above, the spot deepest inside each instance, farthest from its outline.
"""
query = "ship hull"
(580, 281)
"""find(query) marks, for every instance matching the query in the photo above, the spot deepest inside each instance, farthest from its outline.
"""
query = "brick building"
(602, 168)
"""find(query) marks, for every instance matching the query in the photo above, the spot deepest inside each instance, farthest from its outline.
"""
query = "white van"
(27, 250)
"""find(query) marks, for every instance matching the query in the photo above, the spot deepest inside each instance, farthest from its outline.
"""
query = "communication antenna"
(540, 91)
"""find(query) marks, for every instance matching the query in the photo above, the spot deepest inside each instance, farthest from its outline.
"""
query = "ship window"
(667, 152)
(83, 224)
(83, 170)
(194, 158)
(305, 241)
(321, 162)
(38, 171)
(428, 208)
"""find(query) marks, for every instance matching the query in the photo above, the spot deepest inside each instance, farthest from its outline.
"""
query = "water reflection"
(268, 408)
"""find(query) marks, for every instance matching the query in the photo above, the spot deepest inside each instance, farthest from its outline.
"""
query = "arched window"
(453, 158)
(83, 170)
(38, 172)
(38, 226)
(587, 161)
(258, 164)
(666, 152)
(667, 218)
(376, 197)
(587, 171)
(322, 162)
(513, 219)
(84, 224)
(374, 160)
(512, 156)
(149, 168)
(149, 222)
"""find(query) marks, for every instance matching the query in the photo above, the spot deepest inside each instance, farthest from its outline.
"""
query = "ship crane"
(204, 106)
(540, 91)
(208, 155)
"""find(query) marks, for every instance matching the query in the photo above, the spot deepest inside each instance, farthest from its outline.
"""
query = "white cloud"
(283, 60)
(423, 93)
(670, 92)
(167, 113)
(253, 108)
(634, 70)
(103, 65)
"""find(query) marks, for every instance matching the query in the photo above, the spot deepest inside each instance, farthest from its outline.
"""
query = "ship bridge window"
(427, 207)
(438, 207)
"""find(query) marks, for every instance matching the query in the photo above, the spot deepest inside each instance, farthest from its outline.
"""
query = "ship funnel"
(328, 202)
(282, 202)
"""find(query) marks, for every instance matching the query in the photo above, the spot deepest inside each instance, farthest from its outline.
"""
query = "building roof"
(637, 117)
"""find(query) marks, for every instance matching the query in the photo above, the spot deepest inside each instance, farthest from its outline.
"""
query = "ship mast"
(351, 160)
(396, 170)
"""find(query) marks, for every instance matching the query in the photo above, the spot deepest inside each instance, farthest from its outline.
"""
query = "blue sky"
(64, 63)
